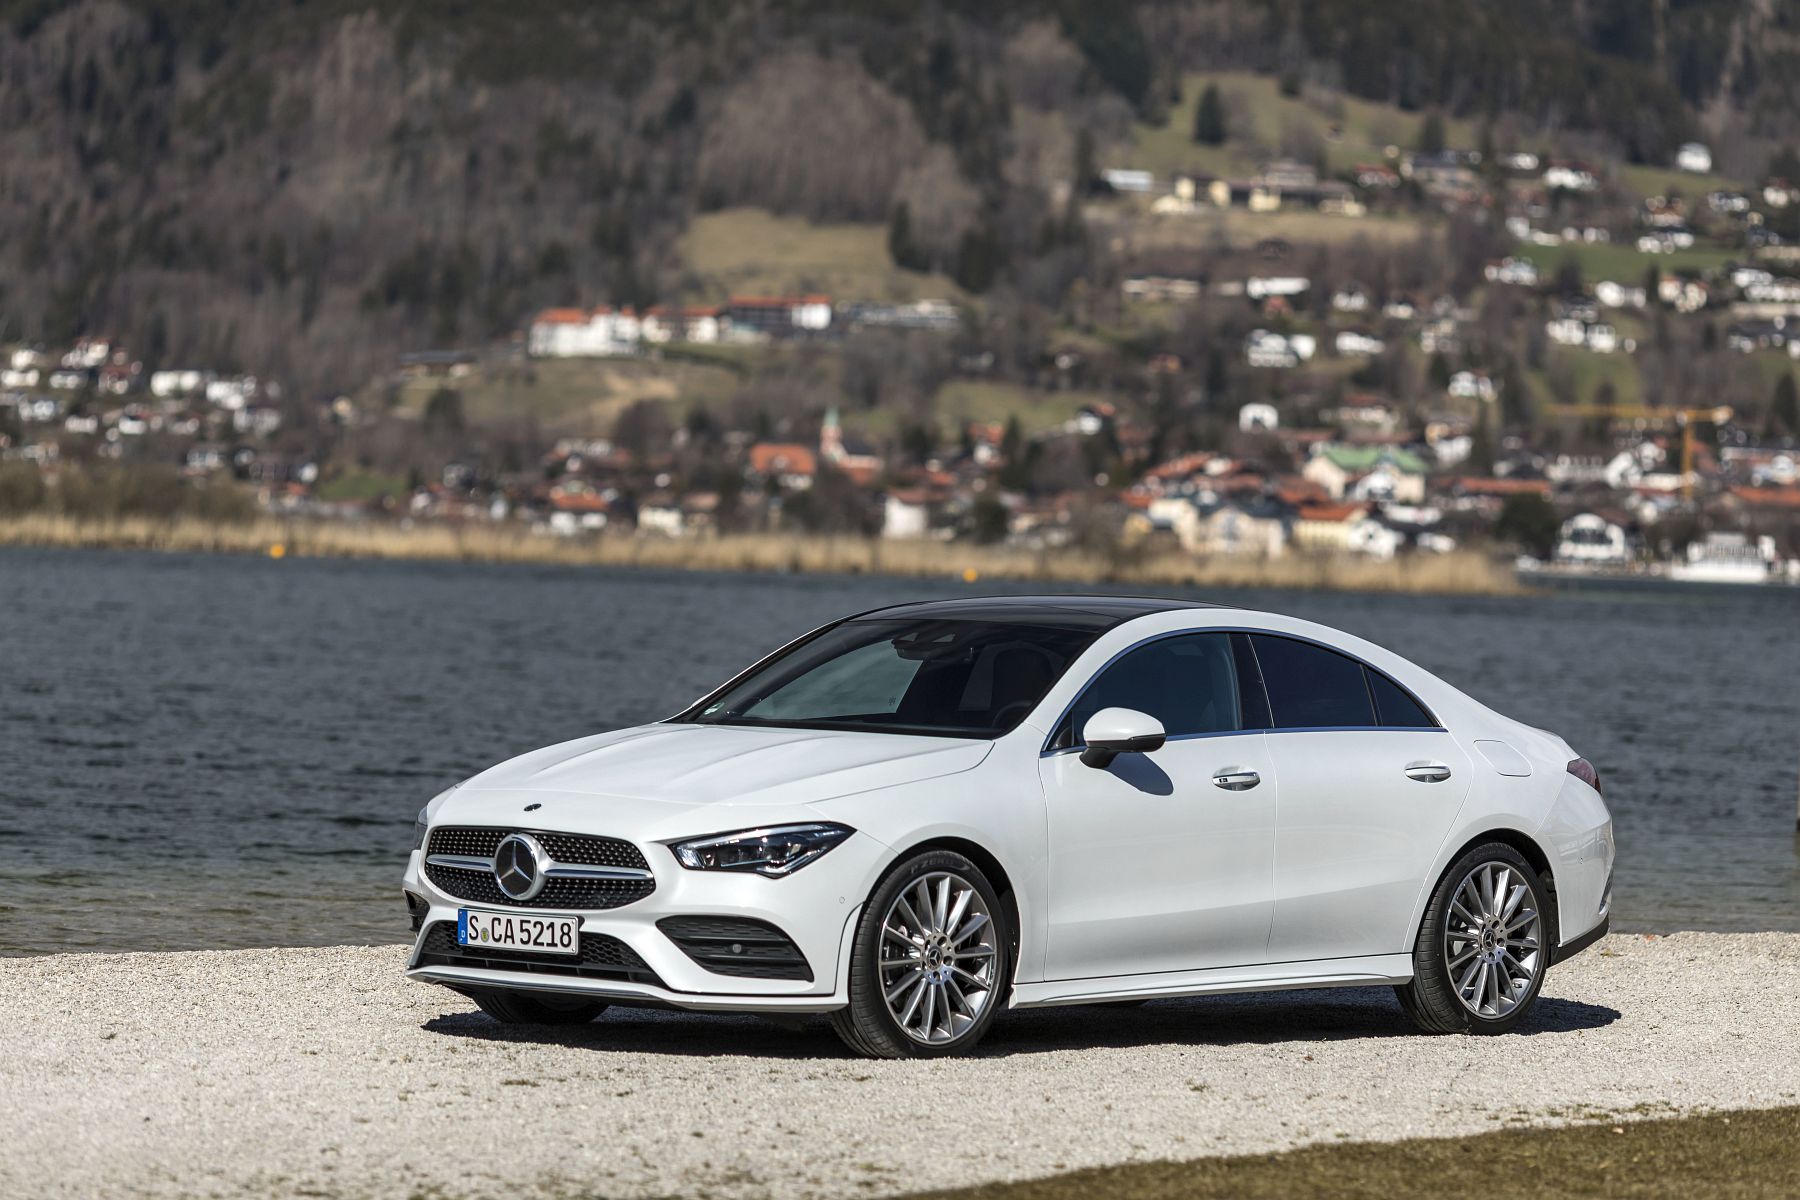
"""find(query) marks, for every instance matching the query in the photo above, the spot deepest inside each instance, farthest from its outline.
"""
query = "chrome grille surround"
(588, 873)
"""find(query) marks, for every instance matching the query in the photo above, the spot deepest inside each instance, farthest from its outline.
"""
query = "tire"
(949, 979)
(1478, 963)
(523, 1008)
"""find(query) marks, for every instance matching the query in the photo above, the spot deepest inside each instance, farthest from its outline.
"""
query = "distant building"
(906, 513)
(789, 464)
(1570, 177)
(1265, 349)
(1160, 288)
(1343, 529)
(1521, 272)
(1258, 417)
(777, 317)
(1694, 157)
(583, 333)
(1619, 295)
(703, 324)
(1591, 541)
(937, 316)
(1390, 473)
(167, 384)
(1353, 343)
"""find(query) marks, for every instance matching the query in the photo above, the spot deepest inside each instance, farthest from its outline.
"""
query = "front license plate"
(506, 931)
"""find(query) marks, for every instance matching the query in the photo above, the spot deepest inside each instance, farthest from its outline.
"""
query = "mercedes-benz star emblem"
(519, 863)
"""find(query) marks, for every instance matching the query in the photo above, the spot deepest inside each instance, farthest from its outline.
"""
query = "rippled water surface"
(213, 752)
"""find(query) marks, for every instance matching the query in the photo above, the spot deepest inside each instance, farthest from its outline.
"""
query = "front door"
(1161, 861)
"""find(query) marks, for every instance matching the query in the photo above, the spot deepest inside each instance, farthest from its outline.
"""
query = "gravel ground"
(322, 1072)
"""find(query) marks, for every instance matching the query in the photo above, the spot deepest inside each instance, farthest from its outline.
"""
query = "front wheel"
(1482, 948)
(521, 1008)
(930, 963)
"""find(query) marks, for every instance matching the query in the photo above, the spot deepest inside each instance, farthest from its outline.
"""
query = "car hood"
(693, 765)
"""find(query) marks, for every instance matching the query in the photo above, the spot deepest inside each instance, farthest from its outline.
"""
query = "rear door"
(1161, 861)
(1370, 786)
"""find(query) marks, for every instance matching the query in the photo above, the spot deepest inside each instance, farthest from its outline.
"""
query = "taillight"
(1583, 770)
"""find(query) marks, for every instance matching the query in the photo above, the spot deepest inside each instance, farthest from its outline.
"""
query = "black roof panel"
(1087, 612)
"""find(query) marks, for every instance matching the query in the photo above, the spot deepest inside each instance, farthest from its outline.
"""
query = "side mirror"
(1115, 731)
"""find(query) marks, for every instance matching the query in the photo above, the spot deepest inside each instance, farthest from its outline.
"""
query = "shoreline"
(1460, 573)
(325, 1073)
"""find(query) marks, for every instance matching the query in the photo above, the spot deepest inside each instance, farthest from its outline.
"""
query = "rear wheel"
(523, 1008)
(930, 963)
(1482, 948)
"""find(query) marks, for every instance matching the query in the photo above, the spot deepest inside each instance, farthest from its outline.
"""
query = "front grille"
(737, 946)
(573, 849)
(602, 957)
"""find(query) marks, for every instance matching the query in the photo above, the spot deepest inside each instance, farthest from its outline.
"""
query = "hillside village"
(1266, 319)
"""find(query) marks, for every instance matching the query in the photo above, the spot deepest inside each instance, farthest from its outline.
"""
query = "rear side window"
(1186, 682)
(1312, 687)
(1394, 706)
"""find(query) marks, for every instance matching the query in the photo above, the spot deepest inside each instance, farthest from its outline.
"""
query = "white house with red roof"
(603, 332)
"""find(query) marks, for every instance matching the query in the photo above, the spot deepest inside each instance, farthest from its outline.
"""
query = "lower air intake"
(737, 946)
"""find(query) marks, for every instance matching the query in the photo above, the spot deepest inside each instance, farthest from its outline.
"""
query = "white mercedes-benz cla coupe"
(915, 817)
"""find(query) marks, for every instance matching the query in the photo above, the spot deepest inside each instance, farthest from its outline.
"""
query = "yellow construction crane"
(1687, 418)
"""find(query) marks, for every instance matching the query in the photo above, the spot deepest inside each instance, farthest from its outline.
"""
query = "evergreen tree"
(1209, 117)
(1481, 442)
(1529, 520)
(978, 260)
(1431, 133)
(905, 252)
(444, 411)
(1785, 407)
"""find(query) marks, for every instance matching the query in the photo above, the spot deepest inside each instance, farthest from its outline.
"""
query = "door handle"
(1427, 772)
(1236, 781)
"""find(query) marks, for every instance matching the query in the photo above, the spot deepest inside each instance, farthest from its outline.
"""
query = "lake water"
(202, 752)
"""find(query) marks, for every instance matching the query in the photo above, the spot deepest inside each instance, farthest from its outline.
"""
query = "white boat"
(1727, 558)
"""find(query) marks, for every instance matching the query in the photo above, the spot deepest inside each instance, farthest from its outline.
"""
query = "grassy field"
(964, 400)
(961, 401)
(1241, 228)
(1587, 371)
(1621, 262)
(1266, 124)
(1664, 181)
(1462, 573)
(749, 251)
(576, 396)
(1722, 1156)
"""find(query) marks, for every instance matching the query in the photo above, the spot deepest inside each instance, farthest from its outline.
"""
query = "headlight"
(779, 851)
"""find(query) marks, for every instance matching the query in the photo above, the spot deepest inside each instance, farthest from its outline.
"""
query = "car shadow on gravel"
(1330, 1015)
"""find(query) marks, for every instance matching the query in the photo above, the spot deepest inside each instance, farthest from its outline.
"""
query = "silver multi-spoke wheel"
(937, 958)
(1492, 940)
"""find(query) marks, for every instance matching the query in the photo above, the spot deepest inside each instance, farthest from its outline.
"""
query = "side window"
(1395, 706)
(1310, 686)
(1186, 682)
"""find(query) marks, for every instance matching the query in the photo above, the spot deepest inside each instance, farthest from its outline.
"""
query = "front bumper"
(814, 907)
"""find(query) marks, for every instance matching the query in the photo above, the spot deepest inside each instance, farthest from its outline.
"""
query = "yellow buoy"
(277, 551)
(970, 574)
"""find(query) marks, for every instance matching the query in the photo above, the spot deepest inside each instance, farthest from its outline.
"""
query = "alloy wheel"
(937, 958)
(1492, 940)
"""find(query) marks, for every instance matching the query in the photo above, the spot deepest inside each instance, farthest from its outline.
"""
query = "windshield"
(950, 678)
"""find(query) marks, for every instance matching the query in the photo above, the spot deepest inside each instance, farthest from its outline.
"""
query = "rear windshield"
(951, 678)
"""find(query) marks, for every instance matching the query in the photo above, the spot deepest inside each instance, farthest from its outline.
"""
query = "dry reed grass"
(1461, 573)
